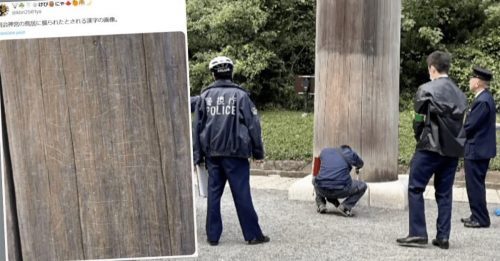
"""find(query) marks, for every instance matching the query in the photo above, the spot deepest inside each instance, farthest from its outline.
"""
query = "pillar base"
(391, 195)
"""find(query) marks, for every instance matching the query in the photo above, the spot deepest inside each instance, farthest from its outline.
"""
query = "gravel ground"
(299, 233)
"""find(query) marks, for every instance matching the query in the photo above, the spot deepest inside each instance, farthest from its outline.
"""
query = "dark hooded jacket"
(444, 106)
(226, 124)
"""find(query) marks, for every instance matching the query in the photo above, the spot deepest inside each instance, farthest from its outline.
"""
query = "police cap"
(481, 73)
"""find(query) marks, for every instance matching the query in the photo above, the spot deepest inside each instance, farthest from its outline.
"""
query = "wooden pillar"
(98, 136)
(357, 81)
(13, 248)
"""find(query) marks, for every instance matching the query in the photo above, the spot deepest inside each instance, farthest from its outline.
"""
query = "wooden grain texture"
(100, 145)
(357, 81)
(168, 105)
(12, 250)
(22, 93)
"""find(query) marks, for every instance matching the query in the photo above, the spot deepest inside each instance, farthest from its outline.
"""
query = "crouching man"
(334, 180)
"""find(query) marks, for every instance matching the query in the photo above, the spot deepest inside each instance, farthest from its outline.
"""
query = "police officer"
(440, 143)
(334, 180)
(226, 133)
(193, 100)
(480, 147)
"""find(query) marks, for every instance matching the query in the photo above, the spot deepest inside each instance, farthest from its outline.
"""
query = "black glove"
(418, 128)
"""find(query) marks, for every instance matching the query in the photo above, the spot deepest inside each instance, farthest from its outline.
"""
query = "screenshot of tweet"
(95, 136)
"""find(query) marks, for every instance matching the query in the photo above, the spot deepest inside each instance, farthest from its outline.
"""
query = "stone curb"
(300, 169)
(282, 168)
(281, 173)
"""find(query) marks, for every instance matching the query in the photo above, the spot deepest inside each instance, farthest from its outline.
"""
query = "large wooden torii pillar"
(357, 81)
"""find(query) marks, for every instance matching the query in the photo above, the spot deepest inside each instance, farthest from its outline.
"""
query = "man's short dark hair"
(440, 60)
(223, 76)
(345, 146)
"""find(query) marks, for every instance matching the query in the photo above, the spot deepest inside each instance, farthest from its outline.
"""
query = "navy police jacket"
(226, 124)
(480, 128)
(192, 102)
(336, 166)
(443, 105)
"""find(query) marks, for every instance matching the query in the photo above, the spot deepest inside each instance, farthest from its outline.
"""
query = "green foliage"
(287, 135)
(468, 29)
(269, 41)
(272, 41)
(406, 101)
(432, 35)
(495, 163)
(482, 51)
(406, 138)
(227, 28)
(465, 58)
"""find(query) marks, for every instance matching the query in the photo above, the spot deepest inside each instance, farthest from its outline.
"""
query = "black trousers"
(237, 172)
(475, 175)
(423, 165)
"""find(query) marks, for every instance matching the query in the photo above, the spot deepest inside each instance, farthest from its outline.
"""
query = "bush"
(287, 135)
(495, 163)
(468, 29)
(465, 58)
(270, 42)
(406, 138)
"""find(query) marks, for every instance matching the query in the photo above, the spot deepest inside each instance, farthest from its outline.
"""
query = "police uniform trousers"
(424, 164)
(475, 175)
(237, 172)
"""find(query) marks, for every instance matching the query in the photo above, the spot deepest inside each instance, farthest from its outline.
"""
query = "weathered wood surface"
(357, 81)
(99, 139)
(11, 225)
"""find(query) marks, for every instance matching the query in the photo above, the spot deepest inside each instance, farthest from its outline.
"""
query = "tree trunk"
(357, 81)
(98, 132)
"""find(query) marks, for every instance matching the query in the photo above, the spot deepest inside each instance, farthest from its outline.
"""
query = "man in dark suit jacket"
(480, 147)
(440, 143)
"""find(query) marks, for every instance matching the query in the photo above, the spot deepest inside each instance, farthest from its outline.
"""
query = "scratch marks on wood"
(82, 115)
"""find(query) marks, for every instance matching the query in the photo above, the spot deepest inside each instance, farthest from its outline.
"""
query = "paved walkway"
(271, 182)
(299, 233)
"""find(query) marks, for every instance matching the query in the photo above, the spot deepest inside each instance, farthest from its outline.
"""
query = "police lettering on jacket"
(221, 107)
(226, 124)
